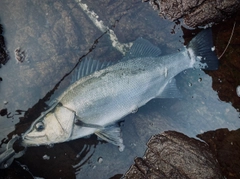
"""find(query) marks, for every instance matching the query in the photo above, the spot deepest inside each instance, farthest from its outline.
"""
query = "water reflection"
(65, 159)
(55, 34)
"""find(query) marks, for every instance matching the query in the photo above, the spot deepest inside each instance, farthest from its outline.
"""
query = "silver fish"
(104, 93)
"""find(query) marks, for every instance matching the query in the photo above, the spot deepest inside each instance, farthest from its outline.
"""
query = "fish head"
(53, 127)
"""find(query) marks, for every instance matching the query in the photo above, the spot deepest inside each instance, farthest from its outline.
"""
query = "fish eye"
(39, 126)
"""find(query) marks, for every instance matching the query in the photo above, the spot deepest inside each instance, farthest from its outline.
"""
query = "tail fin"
(201, 49)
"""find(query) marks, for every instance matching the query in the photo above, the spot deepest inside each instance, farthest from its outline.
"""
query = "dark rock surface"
(174, 155)
(3, 52)
(197, 12)
(225, 145)
(15, 171)
(227, 78)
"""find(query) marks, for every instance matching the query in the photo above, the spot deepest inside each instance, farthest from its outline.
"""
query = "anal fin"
(112, 134)
(171, 90)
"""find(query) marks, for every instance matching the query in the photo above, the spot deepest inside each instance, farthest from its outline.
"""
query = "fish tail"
(201, 51)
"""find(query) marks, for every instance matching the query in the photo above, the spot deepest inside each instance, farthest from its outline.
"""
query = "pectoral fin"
(78, 122)
(112, 134)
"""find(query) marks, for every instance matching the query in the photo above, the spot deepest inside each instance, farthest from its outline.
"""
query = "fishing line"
(229, 41)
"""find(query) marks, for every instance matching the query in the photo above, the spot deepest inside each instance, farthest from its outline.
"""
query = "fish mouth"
(29, 140)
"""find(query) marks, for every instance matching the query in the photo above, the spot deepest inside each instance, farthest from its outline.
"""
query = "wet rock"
(51, 40)
(117, 176)
(3, 112)
(198, 12)
(1, 29)
(227, 78)
(225, 145)
(3, 52)
(14, 171)
(174, 155)
(19, 54)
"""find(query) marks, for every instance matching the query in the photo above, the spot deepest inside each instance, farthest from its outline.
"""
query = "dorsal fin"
(89, 66)
(142, 48)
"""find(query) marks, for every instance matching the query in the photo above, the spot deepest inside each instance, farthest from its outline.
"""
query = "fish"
(102, 93)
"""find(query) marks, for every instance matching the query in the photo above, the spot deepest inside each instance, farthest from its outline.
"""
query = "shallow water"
(54, 35)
